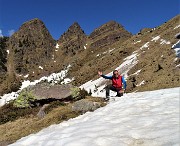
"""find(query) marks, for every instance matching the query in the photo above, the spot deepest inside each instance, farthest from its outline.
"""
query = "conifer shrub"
(24, 99)
(77, 93)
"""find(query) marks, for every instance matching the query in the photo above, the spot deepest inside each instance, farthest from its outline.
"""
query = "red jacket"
(117, 82)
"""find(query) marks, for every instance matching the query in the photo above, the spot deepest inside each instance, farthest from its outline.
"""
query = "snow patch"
(53, 56)
(110, 50)
(178, 65)
(141, 83)
(165, 42)
(146, 45)
(177, 27)
(148, 118)
(57, 46)
(7, 51)
(155, 38)
(41, 67)
(175, 59)
(136, 73)
(67, 80)
(176, 47)
(7, 97)
(85, 47)
(53, 78)
(26, 76)
(137, 42)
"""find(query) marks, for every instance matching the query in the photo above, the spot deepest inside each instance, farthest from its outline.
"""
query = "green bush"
(83, 93)
(75, 92)
(78, 93)
(24, 99)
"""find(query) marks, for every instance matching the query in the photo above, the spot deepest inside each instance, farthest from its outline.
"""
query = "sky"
(58, 15)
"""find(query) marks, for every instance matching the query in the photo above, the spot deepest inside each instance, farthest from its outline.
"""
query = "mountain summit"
(72, 40)
(30, 46)
(108, 34)
(31, 54)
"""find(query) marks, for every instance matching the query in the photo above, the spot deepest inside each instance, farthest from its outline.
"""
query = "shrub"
(75, 92)
(24, 99)
(53, 105)
(83, 93)
(10, 113)
(78, 93)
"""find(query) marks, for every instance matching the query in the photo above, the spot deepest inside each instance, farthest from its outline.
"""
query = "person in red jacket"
(117, 81)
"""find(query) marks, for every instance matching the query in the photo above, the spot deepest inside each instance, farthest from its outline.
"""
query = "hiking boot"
(107, 98)
(119, 94)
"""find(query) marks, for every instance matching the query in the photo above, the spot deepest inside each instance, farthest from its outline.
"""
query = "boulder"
(85, 105)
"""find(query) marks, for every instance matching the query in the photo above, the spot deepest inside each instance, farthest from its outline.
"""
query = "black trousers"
(110, 87)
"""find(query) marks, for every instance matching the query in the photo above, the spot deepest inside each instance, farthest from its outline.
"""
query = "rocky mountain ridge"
(73, 40)
(33, 53)
(108, 34)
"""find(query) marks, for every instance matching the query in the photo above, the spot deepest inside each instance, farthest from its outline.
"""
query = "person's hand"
(99, 73)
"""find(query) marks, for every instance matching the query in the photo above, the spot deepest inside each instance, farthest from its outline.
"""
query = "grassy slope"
(28, 124)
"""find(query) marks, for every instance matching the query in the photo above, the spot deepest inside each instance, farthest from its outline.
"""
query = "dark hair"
(115, 71)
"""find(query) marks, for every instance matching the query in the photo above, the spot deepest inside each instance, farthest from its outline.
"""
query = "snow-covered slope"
(97, 86)
(136, 119)
(53, 78)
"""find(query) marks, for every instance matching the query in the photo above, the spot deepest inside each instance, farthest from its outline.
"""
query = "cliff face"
(3, 54)
(73, 40)
(108, 34)
(30, 46)
(3, 58)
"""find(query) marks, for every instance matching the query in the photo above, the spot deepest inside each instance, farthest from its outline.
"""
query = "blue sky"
(58, 15)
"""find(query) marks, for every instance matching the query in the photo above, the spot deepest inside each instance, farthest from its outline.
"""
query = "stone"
(41, 114)
(84, 105)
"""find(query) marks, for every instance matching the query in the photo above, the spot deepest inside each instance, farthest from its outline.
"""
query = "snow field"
(145, 118)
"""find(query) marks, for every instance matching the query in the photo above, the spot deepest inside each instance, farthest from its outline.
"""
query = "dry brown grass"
(158, 68)
(12, 131)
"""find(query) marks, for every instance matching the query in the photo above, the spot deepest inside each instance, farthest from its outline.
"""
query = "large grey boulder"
(85, 105)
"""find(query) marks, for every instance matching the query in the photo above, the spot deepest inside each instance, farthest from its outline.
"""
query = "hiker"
(117, 81)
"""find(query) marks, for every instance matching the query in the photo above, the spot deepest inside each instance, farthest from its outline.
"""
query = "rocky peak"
(108, 33)
(3, 54)
(75, 28)
(3, 58)
(30, 46)
(73, 39)
(107, 27)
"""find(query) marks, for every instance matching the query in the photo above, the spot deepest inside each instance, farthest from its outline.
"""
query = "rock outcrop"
(31, 46)
(3, 58)
(108, 34)
(73, 40)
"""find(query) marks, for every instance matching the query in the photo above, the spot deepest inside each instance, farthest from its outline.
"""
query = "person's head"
(115, 73)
